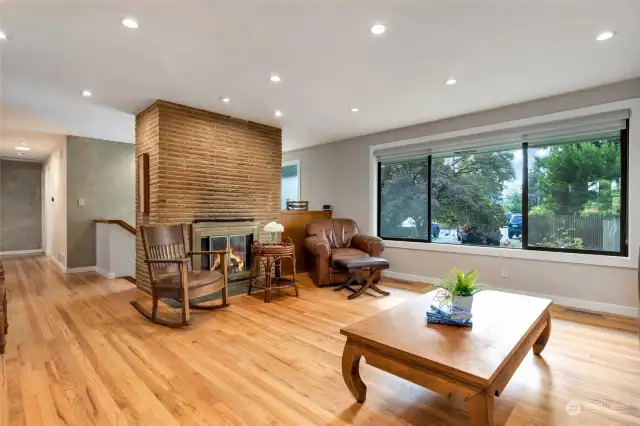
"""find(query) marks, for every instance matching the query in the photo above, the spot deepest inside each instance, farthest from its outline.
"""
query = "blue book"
(451, 312)
(438, 316)
(446, 322)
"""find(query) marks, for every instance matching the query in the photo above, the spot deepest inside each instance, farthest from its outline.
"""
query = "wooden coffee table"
(475, 363)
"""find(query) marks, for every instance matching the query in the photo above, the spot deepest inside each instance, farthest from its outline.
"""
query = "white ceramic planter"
(463, 303)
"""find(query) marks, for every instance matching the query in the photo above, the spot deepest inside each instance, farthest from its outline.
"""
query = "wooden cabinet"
(294, 223)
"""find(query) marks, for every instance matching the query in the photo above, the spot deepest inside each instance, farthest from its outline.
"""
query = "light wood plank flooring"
(78, 354)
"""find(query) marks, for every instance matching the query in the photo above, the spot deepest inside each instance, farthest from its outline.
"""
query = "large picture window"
(558, 194)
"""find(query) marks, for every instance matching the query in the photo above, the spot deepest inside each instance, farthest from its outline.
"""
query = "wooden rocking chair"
(171, 274)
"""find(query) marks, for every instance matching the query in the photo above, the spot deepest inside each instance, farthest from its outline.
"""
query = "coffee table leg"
(541, 343)
(351, 372)
(480, 409)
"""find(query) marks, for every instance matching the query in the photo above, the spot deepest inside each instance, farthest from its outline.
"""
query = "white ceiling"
(20, 129)
(41, 144)
(195, 52)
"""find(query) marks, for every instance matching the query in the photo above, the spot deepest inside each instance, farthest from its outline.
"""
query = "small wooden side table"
(268, 258)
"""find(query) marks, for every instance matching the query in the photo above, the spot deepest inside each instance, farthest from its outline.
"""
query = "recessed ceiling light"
(225, 100)
(451, 81)
(3, 36)
(86, 93)
(354, 110)
(130, 23)
(378, 29)
(22, 148)
(275, 78)
(278, 113)
(605, 35)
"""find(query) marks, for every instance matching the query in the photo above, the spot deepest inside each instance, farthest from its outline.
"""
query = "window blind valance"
(556, 131)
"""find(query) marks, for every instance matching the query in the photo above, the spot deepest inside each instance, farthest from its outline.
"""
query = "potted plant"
(273, 228)
(458, 289)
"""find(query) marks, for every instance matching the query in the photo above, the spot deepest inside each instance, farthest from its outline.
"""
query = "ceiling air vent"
(465, 152)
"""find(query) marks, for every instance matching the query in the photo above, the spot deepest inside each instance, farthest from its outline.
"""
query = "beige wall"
(339, 174)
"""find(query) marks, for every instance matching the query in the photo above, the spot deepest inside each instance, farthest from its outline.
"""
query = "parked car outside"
(515, 226)
(472, 235)
(507, 217)
(435, 229)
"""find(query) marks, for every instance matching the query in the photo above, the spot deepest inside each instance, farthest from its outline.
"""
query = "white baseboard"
(80, 269)
(110, 275)
(409, 277)
(20, 252)
(58, 264)
(628, 311)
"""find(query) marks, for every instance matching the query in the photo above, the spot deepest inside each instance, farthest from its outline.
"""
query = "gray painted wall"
(103, 174)
(338, 174)
(20, 205)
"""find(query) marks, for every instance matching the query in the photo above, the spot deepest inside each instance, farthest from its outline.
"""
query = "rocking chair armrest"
(178, 261)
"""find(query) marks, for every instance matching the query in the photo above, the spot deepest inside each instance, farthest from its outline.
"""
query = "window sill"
(584, 259)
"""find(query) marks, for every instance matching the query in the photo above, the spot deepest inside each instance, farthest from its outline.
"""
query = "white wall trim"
(80, 269)
(110, 275)
(21, 252)
(546, 256)
(58, 264)
(633, 231)
(73, 270)
(628, 311)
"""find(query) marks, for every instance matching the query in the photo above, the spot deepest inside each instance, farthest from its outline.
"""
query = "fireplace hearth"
(235, 236)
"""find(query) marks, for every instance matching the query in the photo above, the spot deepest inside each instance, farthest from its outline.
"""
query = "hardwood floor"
(78, 354)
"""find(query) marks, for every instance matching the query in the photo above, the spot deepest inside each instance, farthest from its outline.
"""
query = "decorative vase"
(463, 303)
(273, 238)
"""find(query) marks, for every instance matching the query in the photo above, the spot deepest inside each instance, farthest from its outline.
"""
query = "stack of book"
(449, 315)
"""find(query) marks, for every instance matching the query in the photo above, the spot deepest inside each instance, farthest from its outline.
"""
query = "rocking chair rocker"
(171, 274)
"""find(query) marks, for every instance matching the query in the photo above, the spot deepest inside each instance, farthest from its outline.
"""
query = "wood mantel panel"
(294, 222)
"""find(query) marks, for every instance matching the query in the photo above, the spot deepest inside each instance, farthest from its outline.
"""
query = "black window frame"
(624, 204)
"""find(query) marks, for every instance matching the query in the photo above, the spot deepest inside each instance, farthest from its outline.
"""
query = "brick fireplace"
(204, 165)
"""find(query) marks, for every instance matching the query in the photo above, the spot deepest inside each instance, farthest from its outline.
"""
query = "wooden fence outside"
(598, 232)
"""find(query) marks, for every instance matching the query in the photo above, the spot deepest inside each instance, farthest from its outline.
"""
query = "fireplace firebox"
(236, 237)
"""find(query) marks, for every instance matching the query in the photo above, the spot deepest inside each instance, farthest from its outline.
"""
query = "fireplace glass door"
(239, 247)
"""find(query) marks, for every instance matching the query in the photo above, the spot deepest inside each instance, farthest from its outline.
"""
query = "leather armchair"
(329, 239)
